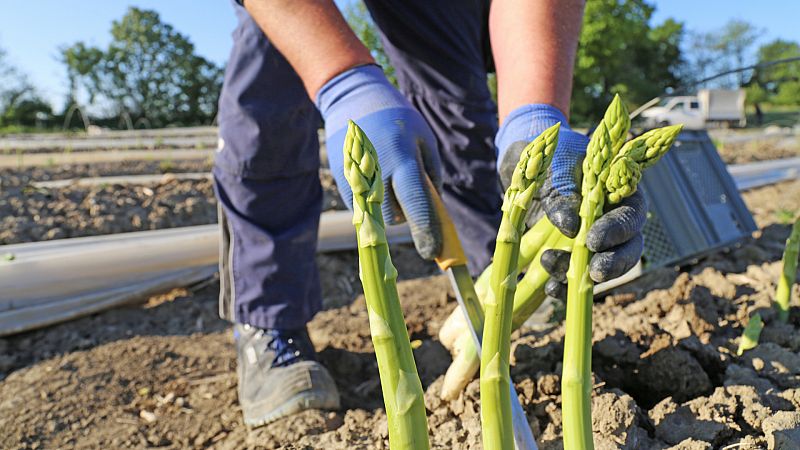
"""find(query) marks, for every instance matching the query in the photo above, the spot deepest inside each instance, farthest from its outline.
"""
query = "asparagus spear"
(783, 296)
(402, 390)
(495, 378)
(527, 299)
(611, 171)
(530, 246)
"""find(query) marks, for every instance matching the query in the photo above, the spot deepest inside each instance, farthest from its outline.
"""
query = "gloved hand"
(616, 238)
(405, 144)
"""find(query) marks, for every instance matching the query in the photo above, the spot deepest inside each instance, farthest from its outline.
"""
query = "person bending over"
(295, 64)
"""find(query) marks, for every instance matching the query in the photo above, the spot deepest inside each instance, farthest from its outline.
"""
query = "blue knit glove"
(616, 238)
(406, 147)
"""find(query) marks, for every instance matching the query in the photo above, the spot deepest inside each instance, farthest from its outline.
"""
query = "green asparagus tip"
(599, 154)
(361, 163)
(751, 334)
(618, 122)
(532, 168)
(636, 155)
(623, 179)
(658, 141)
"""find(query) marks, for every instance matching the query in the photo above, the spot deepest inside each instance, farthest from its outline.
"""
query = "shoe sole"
(296, 404)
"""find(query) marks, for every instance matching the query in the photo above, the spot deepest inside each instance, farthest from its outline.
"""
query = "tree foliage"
(19, 102)
(780, 83)
(734, 42)
(621, 52)
(717, 51)
(361, 22)
(149, 71)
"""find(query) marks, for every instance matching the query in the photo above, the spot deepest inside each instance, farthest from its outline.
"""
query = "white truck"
(710, 107)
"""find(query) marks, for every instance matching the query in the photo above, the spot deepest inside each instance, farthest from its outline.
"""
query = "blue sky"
(32, 30)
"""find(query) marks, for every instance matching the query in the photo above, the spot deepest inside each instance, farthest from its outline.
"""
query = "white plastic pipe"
(761, 173)
(19, 160)
(122, 179)
(52, 281)
(101, 142)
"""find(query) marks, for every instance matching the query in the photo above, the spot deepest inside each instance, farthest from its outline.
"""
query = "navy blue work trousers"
(266, 169)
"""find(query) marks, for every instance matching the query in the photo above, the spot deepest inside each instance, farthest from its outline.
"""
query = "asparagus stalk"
(402, 390)
(495, 378)
(611, 171)
(530, 289)
(527, 299)
(783, 296)
(530, 246)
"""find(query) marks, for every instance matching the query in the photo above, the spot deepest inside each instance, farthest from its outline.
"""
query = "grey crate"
(695, 207)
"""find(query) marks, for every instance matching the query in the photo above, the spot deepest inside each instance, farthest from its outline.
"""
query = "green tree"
(149, 70)
(19, 102)
(734, 42)
(779, 83)
(82, 63)
(360, 21)
(621, 52)
(727, 48)
(702, 58)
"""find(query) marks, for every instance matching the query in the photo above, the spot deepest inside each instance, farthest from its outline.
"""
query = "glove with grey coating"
(406, 147)
(616, 238)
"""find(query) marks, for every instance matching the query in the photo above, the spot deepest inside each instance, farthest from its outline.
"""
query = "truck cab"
(721, 107)
(684, 110)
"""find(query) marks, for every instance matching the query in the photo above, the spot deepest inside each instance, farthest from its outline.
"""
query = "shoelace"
(289, 347)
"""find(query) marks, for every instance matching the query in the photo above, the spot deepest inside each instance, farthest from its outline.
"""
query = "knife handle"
(452, 254)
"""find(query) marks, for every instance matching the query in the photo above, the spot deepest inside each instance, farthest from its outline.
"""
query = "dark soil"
(666, 373)
(16, 177)
(32, 214)
(759, 150)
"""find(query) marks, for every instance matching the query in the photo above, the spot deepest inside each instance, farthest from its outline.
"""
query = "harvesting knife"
(453, 262)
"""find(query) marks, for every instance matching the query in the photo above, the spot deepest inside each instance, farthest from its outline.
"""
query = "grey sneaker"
(279, 375)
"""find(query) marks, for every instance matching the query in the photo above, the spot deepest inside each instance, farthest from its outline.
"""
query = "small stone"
(148, 416)
(55, 233)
